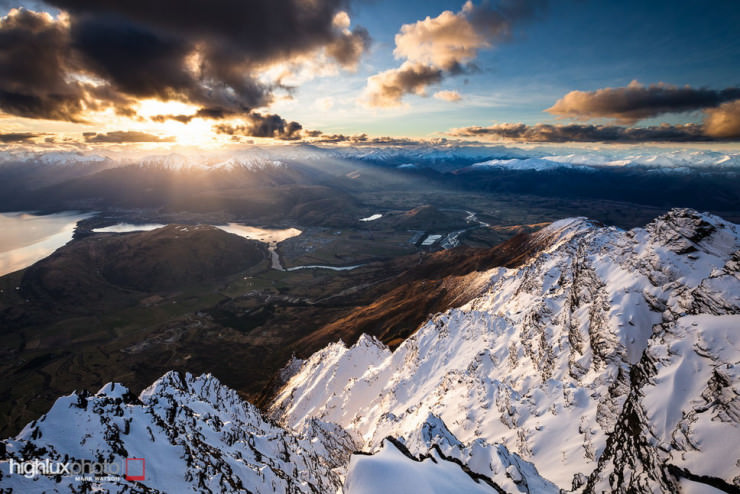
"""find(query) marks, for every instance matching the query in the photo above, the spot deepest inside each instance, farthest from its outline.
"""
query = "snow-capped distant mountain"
(536, 164)
(671, 161)
(450, 157)
(439, 157)
(177, 162)
(607, 363)
(25, 169)
(194, 435)
(442, 157)
(172, 161)
(659, 158)
(253, 161)
(247, 163)
(61, 158)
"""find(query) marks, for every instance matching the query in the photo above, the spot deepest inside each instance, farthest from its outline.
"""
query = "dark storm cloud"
(585, 133)
(18, 137)
(259, 31)
(34, 61)
(179, 118)
(204, 53)
(636, 102)
(141, 62)
(349, 46)
(319, 137)
(122, 137)
(259, 125)
(204, 113)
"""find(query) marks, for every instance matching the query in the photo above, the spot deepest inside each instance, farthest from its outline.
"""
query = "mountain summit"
(607, 362)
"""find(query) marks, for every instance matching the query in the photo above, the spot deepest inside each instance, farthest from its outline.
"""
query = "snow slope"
(195, 434)
(608, 362)
(394, 471)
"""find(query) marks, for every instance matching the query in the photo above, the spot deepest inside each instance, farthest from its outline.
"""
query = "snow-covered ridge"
(254, 160)
(445, 157)
(673, 161)
(194, 434)
(659, 158)
(394, 470)
(60, 158)
(546, 157)
(536, 164)
(251, 162)
(608, 362)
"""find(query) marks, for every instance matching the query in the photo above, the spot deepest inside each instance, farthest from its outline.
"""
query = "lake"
(270, 236)
(26, 238)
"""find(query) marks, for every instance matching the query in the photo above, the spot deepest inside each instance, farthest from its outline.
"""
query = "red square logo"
(135, 469)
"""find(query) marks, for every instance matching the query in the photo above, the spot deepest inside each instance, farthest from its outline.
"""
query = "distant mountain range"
(442, 157)
(608, 361)
(284, 182)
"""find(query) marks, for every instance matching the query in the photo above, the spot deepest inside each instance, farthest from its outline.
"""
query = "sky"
(134, 72)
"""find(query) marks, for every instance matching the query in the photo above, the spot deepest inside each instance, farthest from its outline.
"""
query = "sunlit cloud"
(220, 61)
(519, 132)
(387, 88)
(261, 125)
(434, 48)
(448, 96)
(724, 121)
(124, 136)
(637, 102)
(324, 104)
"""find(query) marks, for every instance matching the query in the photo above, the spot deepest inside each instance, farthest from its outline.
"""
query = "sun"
(196, 132)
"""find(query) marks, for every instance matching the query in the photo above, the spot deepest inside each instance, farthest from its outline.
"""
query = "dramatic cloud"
(445, 45)
(446, 41)
(213, 54)
(204, 113)
(258, 125)
(18, 137)
(350, 45)
(387, 88)
(448, 95)
(723, 122)
(584, 133)
(122, 137)
(636, 102)
(319, 137)
(34, 63)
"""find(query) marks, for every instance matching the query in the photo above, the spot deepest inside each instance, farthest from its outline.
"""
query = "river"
(26, 238)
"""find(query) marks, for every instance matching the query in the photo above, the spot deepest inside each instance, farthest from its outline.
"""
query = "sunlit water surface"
(26, 238)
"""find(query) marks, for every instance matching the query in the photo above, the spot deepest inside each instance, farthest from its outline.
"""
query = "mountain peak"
(193, 433)
(575, 363)
(685, 230)
(606, 362)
